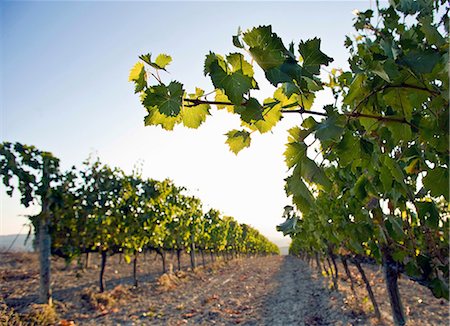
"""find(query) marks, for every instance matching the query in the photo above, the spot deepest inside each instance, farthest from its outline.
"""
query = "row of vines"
(368, 172)
(104, 210)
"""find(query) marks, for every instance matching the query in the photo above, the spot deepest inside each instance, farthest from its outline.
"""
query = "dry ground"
(252, 291)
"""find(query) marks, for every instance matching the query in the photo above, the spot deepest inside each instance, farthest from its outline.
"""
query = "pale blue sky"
(64, 88)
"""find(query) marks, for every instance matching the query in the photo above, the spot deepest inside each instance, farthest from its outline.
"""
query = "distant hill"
(283, 244)
(17, 241)
(284, 251)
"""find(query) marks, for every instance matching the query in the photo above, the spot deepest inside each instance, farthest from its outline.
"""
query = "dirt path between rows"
(302, 299)
(250, 291)
(257, 291)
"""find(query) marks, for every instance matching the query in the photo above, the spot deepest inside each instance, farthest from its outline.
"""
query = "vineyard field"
(272, 290)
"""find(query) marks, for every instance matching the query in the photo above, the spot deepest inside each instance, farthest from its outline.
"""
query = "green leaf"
(412, 269)
(357, 90)
(401, 101)
(399, 255)
(235, 84)
(359, 189)
(162, 60)
(289, 89)
(391, 49)
(381, 235)
(439, 288)
(430, 31)
(411, 7)
(397, 227)
(167, 99)
(251, 112)
(428, 213)
(387, 70)
(437, 181)
(287, 72)
(395, 169)
(310, 123)
(127, 258)
(386, 178)
(265, 47)
(332, 127)
(239, 64)
(312, 173)
(238, 140)
(356, 246)
(294, 153)
(313, 58)
(348, 149)
(301, 195)
(401, 132)
(421, 61)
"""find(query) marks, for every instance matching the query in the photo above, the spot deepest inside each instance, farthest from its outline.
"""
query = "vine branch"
(353, 114)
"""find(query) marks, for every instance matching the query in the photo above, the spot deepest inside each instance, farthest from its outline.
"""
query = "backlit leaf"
(265, 47)
(162, 60)
(235, 84)
(138, 76)
(238, 140)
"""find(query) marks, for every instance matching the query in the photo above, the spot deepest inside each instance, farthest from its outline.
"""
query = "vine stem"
(354, 114)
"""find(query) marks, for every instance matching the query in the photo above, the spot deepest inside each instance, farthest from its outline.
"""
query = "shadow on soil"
(88, 278)
(300, 298)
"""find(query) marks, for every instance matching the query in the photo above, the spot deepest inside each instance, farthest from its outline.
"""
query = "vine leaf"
(167, 99)
(288, 226)
(287, 72)
(162, 60)
(428, 213)
(271, 115)
(437, 180)
(221, 97)
(332, 127)
(313, 58)
(235, 84)
(138, 76)
(236, 39)
(301, 196)
(251, 112)
(421, 61)
(293, 153)
(238, 63)
(238, 140)
(265, 47)
(156, 118)
(194, 116)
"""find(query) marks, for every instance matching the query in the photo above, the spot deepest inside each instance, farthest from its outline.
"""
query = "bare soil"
(275, 290)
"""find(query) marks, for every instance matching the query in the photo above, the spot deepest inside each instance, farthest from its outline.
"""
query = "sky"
(64, 88)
